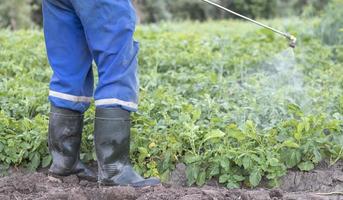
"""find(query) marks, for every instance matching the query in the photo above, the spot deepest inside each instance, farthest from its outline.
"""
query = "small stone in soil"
(83, 183)
(178, 176)
(275, 193)
(192, 197)
(71, 179)
(54, 180)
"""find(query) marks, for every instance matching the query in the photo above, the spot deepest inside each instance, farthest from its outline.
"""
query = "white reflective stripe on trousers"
(104, 102)
(69, 97)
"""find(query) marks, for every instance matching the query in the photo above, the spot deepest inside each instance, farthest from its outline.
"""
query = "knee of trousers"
(80, 106)
(72, 91)
(118, 80)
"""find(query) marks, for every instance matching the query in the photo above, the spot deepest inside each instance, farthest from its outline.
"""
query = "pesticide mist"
(270, 89)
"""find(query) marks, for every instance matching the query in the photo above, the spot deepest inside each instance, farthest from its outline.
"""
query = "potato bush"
(218, 96)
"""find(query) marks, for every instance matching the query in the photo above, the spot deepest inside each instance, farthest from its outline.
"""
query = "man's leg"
(71, 86)
(109, 26)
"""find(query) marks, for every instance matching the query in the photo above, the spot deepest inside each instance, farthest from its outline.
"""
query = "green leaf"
(238, 178)
(225, 163)
(233, 185)
(143, 154)
(214, 134)
(273, 162)
(192, 173)
(251, 128)
(237, 134)
(214, 170)
(191, 158)
(196, 114)
(46, 161)
(201, 179)
(247, 162)
(317, 156)
(35, 161)
(255, 178)
(289, 143)
(224, 178)
(306, 166)
(1, 147)
(295, 109)
(165, 176)
(293, 157)
(307, 125)
(299, 132)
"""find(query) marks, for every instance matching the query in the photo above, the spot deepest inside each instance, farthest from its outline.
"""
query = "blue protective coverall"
(80, 31)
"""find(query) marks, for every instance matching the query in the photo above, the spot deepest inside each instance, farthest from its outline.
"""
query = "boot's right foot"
(65, 129)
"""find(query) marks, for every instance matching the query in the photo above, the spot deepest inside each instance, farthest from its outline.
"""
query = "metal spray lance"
(291, 38)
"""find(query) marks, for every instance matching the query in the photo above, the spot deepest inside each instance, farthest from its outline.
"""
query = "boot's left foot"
(128, 177)
(112, 145)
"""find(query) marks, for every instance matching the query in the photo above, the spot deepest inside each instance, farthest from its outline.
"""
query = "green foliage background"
(204, 101)
(331, 27)
(27, 13)
(15, 14)
(152, 11)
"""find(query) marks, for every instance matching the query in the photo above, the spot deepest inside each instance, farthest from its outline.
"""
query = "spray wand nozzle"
(291, 38)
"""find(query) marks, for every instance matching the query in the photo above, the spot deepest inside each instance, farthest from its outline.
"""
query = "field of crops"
(227, 99)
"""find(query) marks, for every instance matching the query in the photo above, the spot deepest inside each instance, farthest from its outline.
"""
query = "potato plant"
(218, 97)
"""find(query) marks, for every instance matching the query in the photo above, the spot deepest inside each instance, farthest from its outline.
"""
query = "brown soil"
(295, 186)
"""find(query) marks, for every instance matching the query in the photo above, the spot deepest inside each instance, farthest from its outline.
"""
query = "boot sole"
(61, 176)
(135, 185)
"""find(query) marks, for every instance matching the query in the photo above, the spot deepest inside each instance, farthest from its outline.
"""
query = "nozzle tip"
(293, 41)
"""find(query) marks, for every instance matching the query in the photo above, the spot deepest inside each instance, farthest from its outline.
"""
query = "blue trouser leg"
(109, 27)
(71, 85)
(79, 30)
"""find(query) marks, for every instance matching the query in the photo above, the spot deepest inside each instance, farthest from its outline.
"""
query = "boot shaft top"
(112, 113)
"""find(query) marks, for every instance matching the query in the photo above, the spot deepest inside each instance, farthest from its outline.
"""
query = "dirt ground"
(323, 183)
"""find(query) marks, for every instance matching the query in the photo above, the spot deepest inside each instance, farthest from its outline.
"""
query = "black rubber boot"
(65, 129)
(112, 146)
